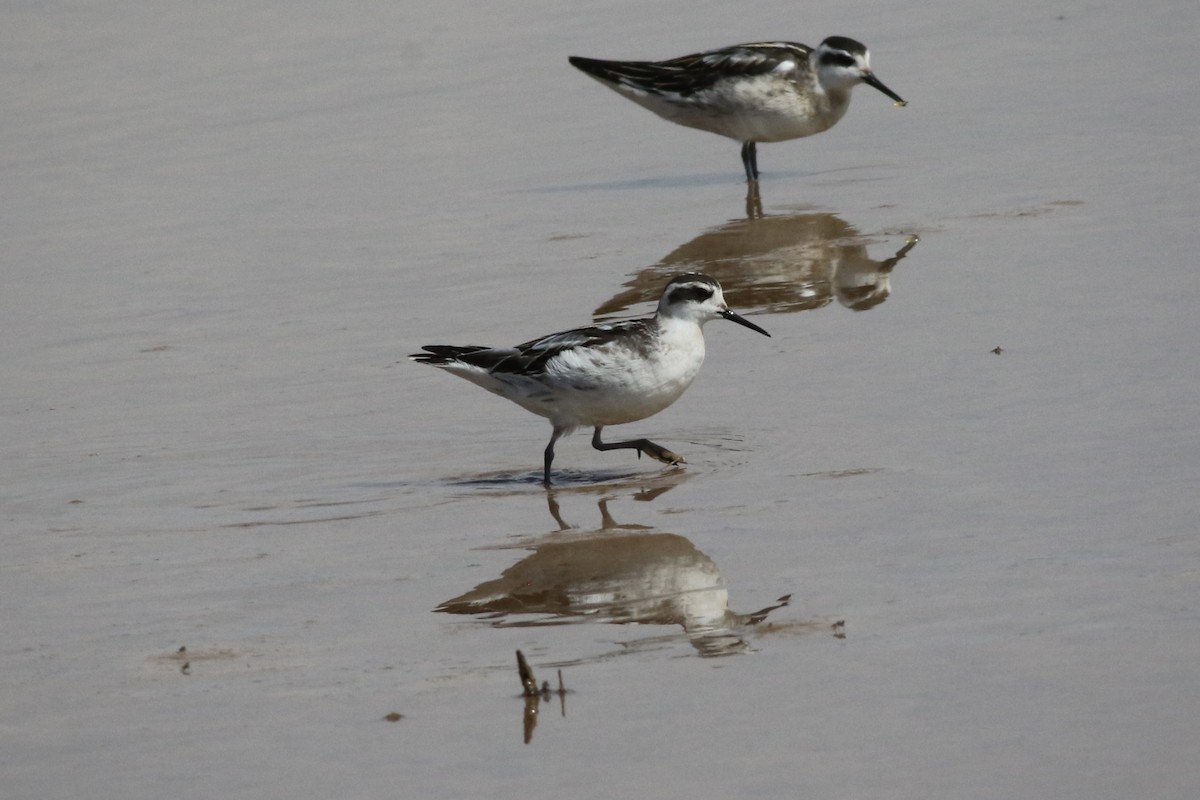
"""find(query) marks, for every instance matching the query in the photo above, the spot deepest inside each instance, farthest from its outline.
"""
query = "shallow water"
(935, 538)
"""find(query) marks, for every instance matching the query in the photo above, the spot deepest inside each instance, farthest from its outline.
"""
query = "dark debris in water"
(535, 696)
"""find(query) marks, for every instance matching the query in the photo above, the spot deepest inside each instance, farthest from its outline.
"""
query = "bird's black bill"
(871, 80)
(740, 320)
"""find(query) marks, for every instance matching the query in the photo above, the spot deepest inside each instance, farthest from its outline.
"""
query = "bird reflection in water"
(774, 264)
(618, 574)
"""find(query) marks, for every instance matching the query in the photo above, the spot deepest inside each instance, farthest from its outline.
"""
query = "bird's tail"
(440, 355)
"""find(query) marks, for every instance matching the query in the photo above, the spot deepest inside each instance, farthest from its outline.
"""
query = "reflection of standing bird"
(602, 375)
(758, 92)
(773, 265)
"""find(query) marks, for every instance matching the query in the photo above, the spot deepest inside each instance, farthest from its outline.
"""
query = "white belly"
(608, 385)
(765, 110)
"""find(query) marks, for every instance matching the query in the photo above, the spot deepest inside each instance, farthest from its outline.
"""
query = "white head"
(698, 298)
(842, 62)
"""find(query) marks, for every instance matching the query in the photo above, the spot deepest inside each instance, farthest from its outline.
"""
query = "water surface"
(935, 538)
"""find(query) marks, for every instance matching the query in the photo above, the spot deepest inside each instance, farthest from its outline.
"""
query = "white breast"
(612, 384)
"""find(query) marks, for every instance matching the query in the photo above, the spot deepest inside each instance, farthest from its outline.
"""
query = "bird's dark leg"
(550, 455)
(750, 161)
(641, 445)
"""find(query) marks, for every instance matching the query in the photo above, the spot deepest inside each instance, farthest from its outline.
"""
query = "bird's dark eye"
(840, 59)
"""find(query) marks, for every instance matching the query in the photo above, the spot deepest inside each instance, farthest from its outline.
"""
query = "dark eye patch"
(841, 59)
(691, 292)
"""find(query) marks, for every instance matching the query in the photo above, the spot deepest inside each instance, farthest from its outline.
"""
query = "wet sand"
(936, 538)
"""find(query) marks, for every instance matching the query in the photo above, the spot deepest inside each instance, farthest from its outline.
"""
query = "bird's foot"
(661, 453)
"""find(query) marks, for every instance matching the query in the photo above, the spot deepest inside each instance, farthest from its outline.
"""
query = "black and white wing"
(686, 75)
(530, 358)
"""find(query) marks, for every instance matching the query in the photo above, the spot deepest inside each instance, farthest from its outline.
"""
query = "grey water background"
(224, 226)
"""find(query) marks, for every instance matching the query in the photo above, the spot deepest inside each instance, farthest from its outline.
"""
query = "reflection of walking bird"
(757, 92)
(640, 577)
(775, 264)
(605, 374)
